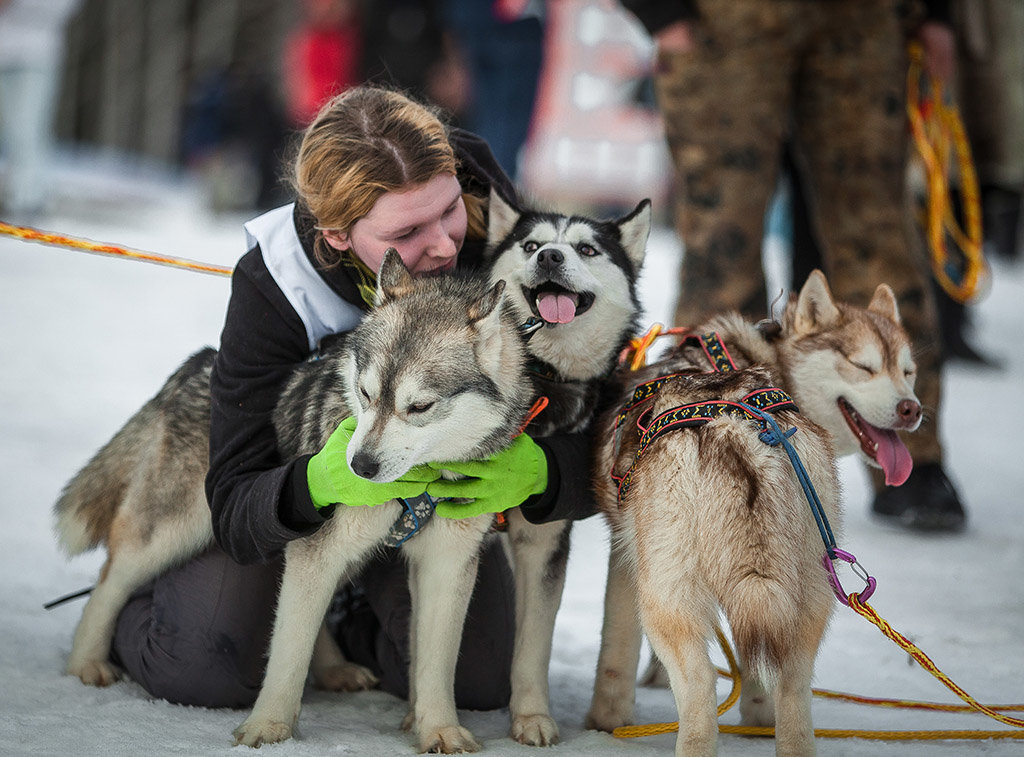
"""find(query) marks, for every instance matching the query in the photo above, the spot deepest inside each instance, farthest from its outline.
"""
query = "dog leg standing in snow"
(711, 517)
(143, 493)
(577, 278)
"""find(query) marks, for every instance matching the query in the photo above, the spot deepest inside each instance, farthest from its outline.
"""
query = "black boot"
(927, 501)
(1000, 212)
(953, 326)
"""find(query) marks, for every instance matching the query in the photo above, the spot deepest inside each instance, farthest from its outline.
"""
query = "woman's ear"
(337, 239)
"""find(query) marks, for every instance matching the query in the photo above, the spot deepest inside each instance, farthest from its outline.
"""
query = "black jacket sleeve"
(569, 495)
(258, 502)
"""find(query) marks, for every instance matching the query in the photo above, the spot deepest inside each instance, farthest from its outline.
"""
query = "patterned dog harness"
(767, 399)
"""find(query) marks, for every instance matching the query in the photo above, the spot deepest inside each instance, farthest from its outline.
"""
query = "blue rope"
(775, 436)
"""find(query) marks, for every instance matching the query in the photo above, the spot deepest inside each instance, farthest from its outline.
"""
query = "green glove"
(504, 480)
(331, 481)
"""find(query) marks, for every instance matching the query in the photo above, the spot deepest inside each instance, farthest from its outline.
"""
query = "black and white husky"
(574, 279)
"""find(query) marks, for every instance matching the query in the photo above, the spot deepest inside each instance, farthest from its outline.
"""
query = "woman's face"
(425, 223)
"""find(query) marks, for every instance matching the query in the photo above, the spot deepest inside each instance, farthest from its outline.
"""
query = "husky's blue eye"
(531, 246)
(587, 251)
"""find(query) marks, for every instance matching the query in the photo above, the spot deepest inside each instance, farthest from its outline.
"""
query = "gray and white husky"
(142, 495)
(574, 278)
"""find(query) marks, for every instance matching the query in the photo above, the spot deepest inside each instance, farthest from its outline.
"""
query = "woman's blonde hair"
(363, 143)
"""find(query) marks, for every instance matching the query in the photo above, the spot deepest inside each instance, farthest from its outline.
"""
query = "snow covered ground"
(86, 340)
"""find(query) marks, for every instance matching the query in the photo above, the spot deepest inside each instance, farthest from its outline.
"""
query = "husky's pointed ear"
(634, 229)
(393, 278)
(502, 217)
(884, 303)
(815, 308)
(485, 317)
(488, 303)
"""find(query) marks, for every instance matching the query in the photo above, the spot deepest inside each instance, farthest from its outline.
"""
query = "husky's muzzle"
(552, 297)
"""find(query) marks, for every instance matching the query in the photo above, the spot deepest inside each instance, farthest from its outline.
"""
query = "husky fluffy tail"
(90, 501)
(761, 616)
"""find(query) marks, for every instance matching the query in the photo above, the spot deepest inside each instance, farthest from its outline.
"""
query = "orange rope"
(30, 234)
(539, 404)
(935, 126)
(636, 351)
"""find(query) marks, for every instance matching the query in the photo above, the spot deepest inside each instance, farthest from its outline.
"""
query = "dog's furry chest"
(570, 408)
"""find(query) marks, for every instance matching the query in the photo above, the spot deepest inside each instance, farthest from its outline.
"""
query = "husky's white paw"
(255, 733)
(453, 739)
(348, 676)
(535, 730)
(607, 715)
(95, 672)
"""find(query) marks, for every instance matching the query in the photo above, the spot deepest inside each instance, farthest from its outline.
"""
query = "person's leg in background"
(851, 130)
(725, 106)
(990, 41)
(804, 248)
(504, 57)
(28, 99)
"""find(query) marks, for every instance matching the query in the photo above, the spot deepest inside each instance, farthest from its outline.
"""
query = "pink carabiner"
(833, 579)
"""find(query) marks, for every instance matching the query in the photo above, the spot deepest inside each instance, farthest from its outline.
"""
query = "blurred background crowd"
(219, 87)
(561, 90)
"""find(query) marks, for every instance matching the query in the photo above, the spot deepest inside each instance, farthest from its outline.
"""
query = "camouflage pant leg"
(726, 107)
(851, 127)
(990, 36)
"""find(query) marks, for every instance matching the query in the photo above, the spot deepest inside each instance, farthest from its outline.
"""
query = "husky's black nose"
(550, 258)
(365, 466)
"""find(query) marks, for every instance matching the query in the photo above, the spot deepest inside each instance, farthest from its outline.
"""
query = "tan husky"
(711, 517)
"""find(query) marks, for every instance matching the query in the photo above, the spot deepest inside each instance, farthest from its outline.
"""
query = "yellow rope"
(865, 610)
(734, 673)
(937, 129)
(58, 240)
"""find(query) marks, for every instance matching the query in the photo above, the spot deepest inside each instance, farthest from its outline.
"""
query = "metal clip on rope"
(833, 579)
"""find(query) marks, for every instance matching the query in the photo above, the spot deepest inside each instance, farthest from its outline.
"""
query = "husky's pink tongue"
(893, 455)
(556, 307)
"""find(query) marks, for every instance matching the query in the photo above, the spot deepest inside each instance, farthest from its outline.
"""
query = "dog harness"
(750, 407)
(754, 407)
(418, 510)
